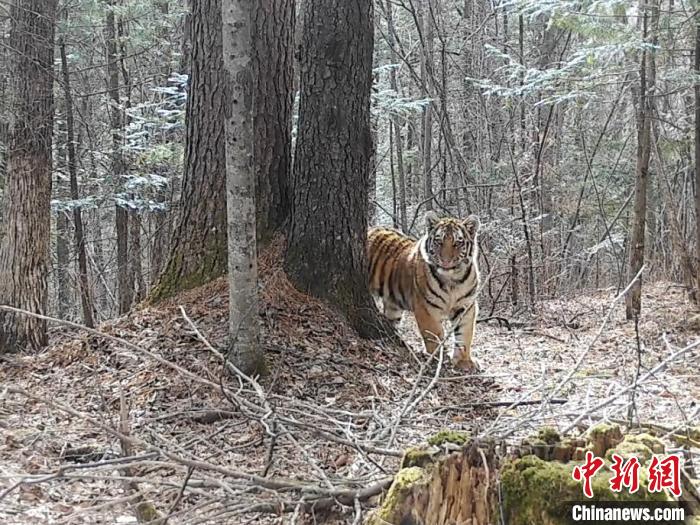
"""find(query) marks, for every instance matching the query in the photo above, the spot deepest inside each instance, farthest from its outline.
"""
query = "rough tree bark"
(198, 249)
(273, 60)
(125, 284)
(244, 329)
(83, 281)
(697, 157)
(24, 251)
(326, 250)
(647, 79)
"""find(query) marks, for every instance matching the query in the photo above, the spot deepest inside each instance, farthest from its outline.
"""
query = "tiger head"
(450, 242)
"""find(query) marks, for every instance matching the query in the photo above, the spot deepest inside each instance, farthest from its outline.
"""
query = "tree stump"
(456, 480)
(443, 482)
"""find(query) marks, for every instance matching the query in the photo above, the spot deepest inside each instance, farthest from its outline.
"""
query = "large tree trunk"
(125, 284)
(273, 59)
(647, 78)
(326, 252)
(24, 251)
(198, 249)
(244, 330)
(697, 158)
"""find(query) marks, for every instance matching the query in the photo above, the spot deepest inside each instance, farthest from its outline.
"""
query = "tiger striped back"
(436, 277)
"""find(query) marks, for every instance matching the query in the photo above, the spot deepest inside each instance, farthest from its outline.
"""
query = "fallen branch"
(347, 498)
(501, 321)
(496, 404)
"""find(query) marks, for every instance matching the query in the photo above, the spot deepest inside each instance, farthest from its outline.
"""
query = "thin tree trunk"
(244, 330)
(186, 43)
(136, 255)
(392, 173)
(103, 295)
(372, 192)
(83, 280)
(398, 141)
(159, 219)
(63, 265)
(24, 251)
(136, 280)
(124, 282)
(426, 78)
(647, 78)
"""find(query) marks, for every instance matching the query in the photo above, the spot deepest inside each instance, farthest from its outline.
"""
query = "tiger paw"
(463, 360)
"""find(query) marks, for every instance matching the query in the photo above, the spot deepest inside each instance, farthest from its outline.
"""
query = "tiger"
(436, 277)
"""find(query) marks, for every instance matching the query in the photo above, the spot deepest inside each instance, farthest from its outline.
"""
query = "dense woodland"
(148, 148)
(569, 127)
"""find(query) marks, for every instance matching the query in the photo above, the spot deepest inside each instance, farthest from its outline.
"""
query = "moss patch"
(417, 457)
(549, 435)
(179, 276)
(404, 480)
(652, 442)
(643, 446)
(448, 436)
(536, 491)
(627, 449)
(603, 437)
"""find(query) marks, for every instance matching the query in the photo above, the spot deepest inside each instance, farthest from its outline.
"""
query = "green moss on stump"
(417, 457)
(628, 449)
(549, 435)
(404, 480)
(536, 491)
(643, 446)
(646, 439)
(449, 436)
(604, 436)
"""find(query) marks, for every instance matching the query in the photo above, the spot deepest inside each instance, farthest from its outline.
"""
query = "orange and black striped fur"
(435, 277)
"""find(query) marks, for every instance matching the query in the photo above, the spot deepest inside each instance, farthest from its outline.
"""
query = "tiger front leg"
(464, 326)
(430, 328)
(392, 312)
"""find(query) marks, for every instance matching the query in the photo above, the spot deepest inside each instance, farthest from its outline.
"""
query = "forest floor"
(342, 408)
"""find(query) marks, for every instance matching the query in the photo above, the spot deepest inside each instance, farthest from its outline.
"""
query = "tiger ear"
(431, 219)
(472, 224)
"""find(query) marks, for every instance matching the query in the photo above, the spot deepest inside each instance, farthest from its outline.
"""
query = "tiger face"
(450, 242)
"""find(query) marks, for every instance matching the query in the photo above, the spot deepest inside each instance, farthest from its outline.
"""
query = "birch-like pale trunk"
(244, 332)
